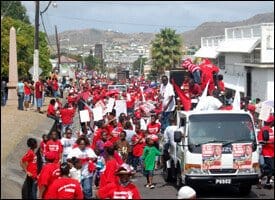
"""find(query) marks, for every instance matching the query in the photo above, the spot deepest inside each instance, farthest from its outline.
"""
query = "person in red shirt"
(138, 145)
(50, 171)
(185, 85)
(29, 165)
(51, 112)
(153, 127)
(122, 188)
(67, 114)
(55, 87)
(54, 145)
(27, 94)
(153, 130)
(39, 87)
(43, 144)
(194, 89)
(266, 138)
(65, 187)
(108, 175)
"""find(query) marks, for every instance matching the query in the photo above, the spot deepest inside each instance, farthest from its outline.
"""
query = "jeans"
(29, 189)
(20, 101)
(165, 120)
(3, 98)
(87, 184)
(197, 76)
(137, 161)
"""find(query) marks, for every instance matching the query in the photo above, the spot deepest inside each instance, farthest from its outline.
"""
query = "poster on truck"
(242, 155)
(211, 156)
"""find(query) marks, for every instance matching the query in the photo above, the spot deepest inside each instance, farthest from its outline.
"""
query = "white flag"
(200, 105)
(237, 100)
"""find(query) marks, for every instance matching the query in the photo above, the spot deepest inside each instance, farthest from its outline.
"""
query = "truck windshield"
(221, 128)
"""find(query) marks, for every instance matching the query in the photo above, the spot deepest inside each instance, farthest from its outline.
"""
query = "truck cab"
(198, 133)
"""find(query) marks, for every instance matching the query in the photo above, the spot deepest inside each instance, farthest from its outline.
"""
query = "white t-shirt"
(168, 137)
(167, 91)
(82, 155)
(211, 103)
(67, 144)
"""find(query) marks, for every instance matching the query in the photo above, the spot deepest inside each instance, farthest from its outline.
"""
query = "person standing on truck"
(167, 97)
(266, 137)
(193, 69)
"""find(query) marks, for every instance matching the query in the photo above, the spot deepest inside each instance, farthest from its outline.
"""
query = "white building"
(245, 56)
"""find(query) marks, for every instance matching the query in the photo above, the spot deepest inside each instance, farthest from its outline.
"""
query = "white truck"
(196, 129)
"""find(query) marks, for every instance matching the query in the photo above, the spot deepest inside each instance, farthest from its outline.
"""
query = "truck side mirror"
(177, 136)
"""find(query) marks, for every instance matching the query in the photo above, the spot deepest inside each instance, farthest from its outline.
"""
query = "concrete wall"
(262, 83)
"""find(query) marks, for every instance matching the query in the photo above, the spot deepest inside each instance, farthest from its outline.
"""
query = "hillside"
(192, 37)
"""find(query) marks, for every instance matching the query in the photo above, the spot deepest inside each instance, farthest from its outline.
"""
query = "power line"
(45, 31)
(46, 7)
(125, 23)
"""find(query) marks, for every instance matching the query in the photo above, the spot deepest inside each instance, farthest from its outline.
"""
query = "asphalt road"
(168, 190)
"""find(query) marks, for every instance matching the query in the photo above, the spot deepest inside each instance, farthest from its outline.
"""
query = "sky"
(142, 16)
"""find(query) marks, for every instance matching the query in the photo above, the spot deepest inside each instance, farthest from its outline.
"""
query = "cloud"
(143, 16)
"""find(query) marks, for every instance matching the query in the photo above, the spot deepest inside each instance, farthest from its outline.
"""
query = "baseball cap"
(186, 192)
(125, 169)
(270, 119)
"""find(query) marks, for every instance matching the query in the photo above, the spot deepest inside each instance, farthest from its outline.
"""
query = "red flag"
(185, 100)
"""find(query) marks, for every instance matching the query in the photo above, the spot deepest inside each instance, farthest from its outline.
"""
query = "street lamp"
(140, 65)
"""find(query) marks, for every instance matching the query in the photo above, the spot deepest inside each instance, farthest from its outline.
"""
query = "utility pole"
(58, 49)
(36, 43)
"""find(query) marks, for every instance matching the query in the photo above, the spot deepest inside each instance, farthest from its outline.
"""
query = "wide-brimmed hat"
(125, 169)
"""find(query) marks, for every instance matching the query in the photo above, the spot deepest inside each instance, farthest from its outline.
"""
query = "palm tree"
(166, 50)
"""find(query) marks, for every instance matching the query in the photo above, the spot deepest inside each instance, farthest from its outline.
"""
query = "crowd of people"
(104, 154)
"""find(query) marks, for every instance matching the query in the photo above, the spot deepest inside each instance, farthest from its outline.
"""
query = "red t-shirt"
(55, 85)
(43, 147)
(65, 188)
(138, 148)
(117, 191)
(27, 90)
(108, 175)
(38, 89)
(195, 90)
(31, 159)
(50, 110)
(48, 174)
(267, 149)
(55, 146)
(153, 128)
(67, 115)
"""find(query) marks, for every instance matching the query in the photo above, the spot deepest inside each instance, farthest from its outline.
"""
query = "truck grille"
(222, 171)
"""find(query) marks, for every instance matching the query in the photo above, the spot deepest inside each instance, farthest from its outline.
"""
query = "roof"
(256, 65)
(238, 45)
(64, 59)
(212, 112)
(207, 52)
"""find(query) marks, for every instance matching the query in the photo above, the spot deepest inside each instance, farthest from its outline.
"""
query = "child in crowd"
(149, 155)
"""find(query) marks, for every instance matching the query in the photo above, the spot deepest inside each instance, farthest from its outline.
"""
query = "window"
(229, 33)
(221, 62)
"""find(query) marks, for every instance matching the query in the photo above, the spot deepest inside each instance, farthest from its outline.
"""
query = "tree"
(136, 64)
(166, 50)
(25, 48)
(92, 63)
(15, 10)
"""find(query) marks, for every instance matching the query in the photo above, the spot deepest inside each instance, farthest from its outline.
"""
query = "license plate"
(223, 181)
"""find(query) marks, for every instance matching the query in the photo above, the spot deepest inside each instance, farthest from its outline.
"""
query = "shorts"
(148, 172)
(39, 103)
(27, 97)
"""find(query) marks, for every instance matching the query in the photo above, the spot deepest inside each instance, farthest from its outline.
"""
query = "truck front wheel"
(244, 189)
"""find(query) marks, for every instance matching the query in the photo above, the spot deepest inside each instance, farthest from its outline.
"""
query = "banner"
(211, 156)
(84, 116)
(242, 155)
(120, 107)
(98, 113)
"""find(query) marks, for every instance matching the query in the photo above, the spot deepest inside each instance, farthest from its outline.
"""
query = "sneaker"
(268, 186)
(147, 185)
(152, 186)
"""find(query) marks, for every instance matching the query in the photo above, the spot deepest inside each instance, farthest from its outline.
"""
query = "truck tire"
(244, 189)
